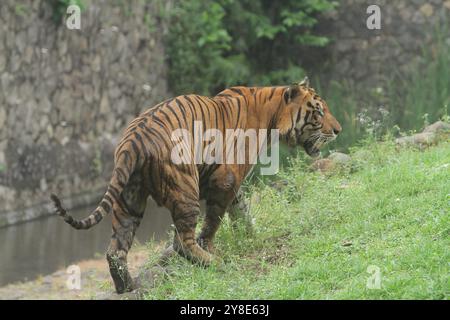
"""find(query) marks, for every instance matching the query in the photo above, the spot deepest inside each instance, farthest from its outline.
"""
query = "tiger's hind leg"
(124, 228)
(127, 215)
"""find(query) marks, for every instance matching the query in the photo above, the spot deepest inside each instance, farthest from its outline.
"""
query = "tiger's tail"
(121, 174)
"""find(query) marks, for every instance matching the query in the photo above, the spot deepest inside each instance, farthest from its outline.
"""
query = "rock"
(334, 161)
(427, 10)
(419, 139)
(324, 165)
(347, 243)
(279, 185)
(425, 138)
(439, 126)
(48, 280)
(447, 4)
(340, 158)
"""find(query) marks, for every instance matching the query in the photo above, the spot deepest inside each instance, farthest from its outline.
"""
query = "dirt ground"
(96, 282)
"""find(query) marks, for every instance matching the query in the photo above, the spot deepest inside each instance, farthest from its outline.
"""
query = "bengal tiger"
(143, 166)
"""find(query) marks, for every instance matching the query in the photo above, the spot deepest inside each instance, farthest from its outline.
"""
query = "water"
(42, 246)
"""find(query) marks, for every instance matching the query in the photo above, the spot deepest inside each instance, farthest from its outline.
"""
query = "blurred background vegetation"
(213, 45)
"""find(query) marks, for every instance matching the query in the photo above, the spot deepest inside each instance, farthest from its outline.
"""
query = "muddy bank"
(95, 281)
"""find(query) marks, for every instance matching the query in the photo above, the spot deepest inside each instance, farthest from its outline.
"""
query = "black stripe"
(156, 132)
(238, 91)
(223, 119)
(192, 110)
(183, 111)
(127, 158)
(121, 174)
(215, 113)
(143, 148)
(225, 109)
(192, 103)
(272, 92)
(150, 140)
(167, 118)
(299, 114)
(108, 198)
(175, 114)
(98, 217)
(135, 149)
(239, 112)
(119, 220)
(105, 206)
(203, 104)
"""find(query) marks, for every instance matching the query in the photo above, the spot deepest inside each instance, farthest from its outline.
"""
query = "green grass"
(316, 238)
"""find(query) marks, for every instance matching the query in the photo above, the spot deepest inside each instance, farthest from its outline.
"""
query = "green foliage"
(316, 237)
(195, 45)
(425, 91)
(410, 100)
(20, 10)
(60, 7)
(212, 45)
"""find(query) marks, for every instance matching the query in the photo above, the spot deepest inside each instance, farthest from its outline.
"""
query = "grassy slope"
(392, 212)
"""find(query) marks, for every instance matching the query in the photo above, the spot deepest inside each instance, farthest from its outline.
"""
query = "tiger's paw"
(206, 245)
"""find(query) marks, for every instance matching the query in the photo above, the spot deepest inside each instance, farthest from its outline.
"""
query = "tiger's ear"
(292, 92)
(305, 82)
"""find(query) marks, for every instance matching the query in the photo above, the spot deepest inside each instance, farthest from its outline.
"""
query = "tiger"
(143, 166)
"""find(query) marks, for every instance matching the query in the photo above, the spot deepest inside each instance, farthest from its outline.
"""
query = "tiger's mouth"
(313, 145)
(312, 151)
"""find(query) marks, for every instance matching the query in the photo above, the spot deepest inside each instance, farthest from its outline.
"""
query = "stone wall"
(370, 57)
(65, 95)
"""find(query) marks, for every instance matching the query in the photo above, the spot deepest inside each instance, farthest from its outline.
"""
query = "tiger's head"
(311, 123)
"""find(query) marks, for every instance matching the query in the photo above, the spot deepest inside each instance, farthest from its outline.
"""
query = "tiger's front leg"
(239, 211)
(213, 217)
